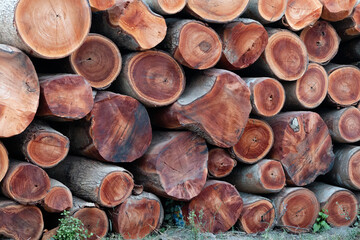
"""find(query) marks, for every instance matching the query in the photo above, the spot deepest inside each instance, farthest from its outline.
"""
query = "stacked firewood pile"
(247, 111)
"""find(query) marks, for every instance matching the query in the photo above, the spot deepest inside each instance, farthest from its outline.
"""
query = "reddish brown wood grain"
(255, 142)
(243, 40)
(302, 145)
(110, 132)
(334, 10)
(138, 216)
(212, 91)
(220, 204)
(64, 97)
(302, 13)
(4, 161)
(297, 209)
(20, 222)
(220, 164)
(175, 166)
(152, 77)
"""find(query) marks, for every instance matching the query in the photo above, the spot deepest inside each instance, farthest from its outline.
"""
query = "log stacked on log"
(64, 97)
(204, 125)
(341, 204)
(214, 90)
(258, 214)
(98, 59)
(19, 221)
(296, 208)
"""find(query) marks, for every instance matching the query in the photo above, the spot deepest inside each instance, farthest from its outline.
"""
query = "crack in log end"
(294, 124)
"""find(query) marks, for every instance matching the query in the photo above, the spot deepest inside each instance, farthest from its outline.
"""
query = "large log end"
(40, 22)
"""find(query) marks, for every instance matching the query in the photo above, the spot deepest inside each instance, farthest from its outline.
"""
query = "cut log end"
(46, 149)
(155, 78)
(95, 221)
(228, 11)
(101, 5)
(257, 216)
(271, 10)
(268, 96)
(65, 97)
(334, 11)
(300, 14)
(98, 59)
(199, 46)
(342, 209)
(220, 164)
(20, 222)
(19, 89)
(321, 41)
(124, 120)
(272, 176)
(349, 125)
(354, 169)
(26, 183)
(115, 188)
(303, 145)
(344, 86)
(298, 211)
(171, 6)
(57, 200)
(221, 205)
(311, 88)
(138, 216)
(136, 13)
(255, 142)
(243, 44)
(286, 55)
(40, 27)
(4, 161)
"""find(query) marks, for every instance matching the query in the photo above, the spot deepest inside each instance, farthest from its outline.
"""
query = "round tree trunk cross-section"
(255, 142)
(221, 205)
(220, 164)
(270, 10)
(198, 46)
(266, 176)
(346, 170)
(98, 59)
(19, 91)
(111, 131)
(138, 216)
(286, 55)
(321, 41)
(65, 97)
(297, 209)
(344, 85)
(258, 214)
(20, 222)
(25, 183)
(152, 77)
(211, 91)
(344, 124)
(94, 220)
(58, 199)
(335, 10)
(267, 96)
(340, 203)
(302, 144)
(309, 91)
(175, 165)
(302, 13)
(216, 11)
(52, 29)
(244, 41)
